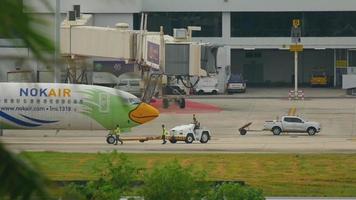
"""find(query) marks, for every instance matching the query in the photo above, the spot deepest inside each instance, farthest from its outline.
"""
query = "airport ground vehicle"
(292, 124)
(236, 83)
(319, 78)
(186, 133)
(207, 85)
(130, 85)
(189, 133)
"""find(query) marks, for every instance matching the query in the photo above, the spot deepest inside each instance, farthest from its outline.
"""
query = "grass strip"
(277, 174)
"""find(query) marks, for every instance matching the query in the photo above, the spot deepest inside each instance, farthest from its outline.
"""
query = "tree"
(17, 178)
(18, 24)
(174, 182)
(116, 177)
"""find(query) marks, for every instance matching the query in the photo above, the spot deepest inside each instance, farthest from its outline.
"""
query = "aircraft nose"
(143, 113)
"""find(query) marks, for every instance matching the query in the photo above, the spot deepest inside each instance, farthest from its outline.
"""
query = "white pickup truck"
(292, 124)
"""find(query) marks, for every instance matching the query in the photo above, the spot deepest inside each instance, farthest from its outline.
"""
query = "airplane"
(56, 106)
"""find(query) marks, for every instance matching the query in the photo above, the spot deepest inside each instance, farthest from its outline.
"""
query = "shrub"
(235, 191)
(116, 176)
(174, 182)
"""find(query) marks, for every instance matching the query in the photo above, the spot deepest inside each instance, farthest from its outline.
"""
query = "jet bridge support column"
(76, 71)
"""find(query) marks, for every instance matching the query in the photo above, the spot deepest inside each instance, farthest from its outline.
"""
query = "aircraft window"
(31, 100)
(18, 100)
(57, 101)
(11, 100)
(38, 101)
(63, 101)
(51, 101)
(5, 100)
(69, 101)
(44, 101)
(81, 101)
(75, 101)
(134, 101)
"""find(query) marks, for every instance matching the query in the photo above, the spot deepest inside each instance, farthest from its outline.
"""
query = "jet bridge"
(153, 52)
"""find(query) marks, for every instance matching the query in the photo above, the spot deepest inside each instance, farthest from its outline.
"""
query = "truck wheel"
(243, 131)
(214, 92)
(204, 137)
(110, 139)
(276, 130)
(311, 131)
(189, 139)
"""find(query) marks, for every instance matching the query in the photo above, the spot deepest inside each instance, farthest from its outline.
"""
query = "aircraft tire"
(110, 139)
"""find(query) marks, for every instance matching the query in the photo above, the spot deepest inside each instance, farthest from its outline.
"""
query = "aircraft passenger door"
(104, 102)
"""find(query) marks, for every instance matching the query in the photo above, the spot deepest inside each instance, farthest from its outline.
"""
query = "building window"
(210, 22)
(329, 24)
(262, 24)
(278, 24)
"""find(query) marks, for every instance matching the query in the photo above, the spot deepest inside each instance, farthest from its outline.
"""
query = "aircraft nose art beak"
(143, 113)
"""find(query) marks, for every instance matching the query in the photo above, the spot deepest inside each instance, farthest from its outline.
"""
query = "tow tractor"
(189, 133)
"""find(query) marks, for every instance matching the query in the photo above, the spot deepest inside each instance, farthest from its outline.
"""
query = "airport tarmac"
(337, 117)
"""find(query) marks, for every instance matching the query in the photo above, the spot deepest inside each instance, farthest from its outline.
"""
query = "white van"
(105, 79)
(130, 85)
(207, 85)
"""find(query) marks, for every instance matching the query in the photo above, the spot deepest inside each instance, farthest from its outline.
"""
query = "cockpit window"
(134, 101)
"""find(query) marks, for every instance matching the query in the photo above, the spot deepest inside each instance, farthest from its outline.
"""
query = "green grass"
(277, 174)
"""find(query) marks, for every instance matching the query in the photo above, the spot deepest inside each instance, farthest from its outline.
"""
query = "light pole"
(296, 34)
(56, 40)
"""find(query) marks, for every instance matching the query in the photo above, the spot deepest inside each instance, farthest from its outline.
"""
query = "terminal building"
(255, 34)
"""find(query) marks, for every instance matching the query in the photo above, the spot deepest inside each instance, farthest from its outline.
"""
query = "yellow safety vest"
(165, 132)
(117, 131)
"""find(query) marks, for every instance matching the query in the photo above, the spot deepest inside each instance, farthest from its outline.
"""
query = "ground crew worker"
(164, 134)
(117, 133)
(194, 119)
(195, 122)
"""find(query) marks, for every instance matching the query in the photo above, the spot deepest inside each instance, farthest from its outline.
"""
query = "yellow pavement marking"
(292, 111)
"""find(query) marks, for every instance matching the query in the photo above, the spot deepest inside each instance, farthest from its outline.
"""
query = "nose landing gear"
(110, 139)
